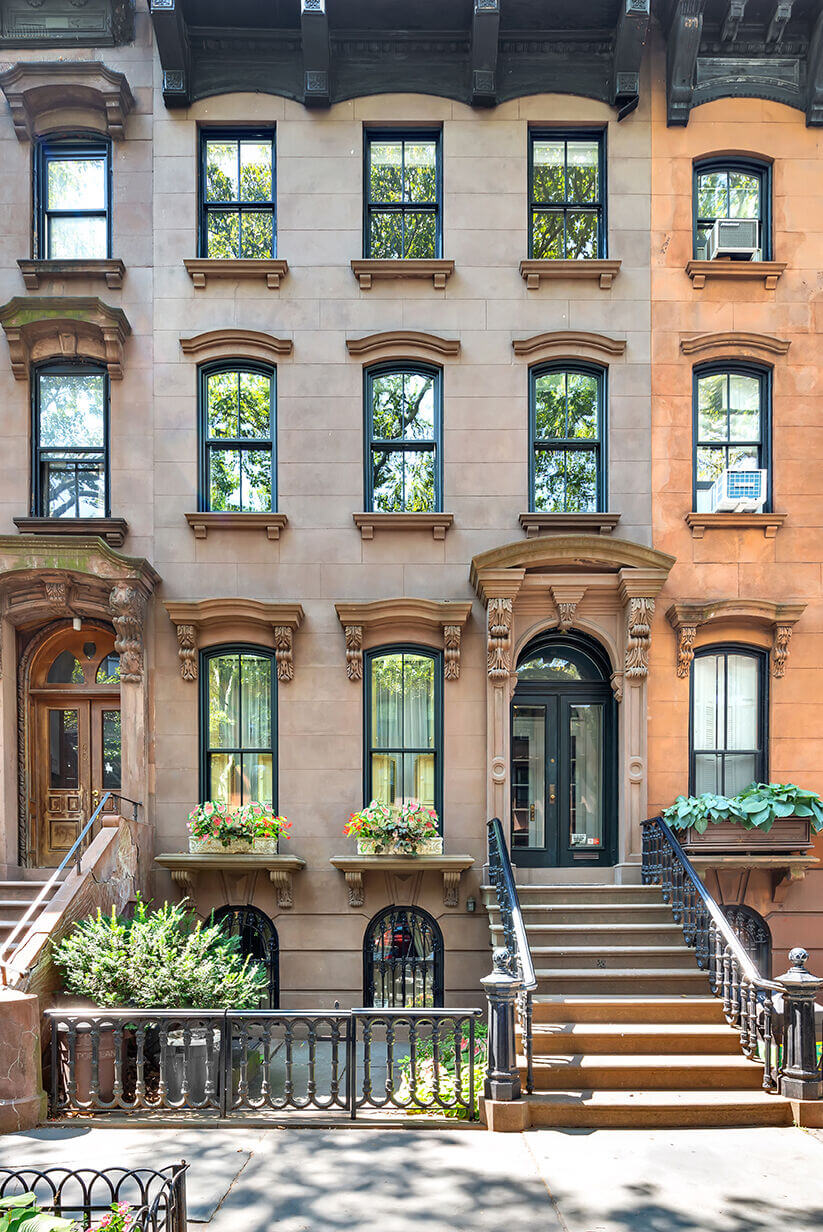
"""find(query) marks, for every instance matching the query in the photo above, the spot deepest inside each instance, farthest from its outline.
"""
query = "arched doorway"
(563, 761)
(74, 737)
(258, 942)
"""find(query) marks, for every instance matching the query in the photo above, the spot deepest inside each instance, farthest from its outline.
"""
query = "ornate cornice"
(436, 620)
(401, 344)
(58, 327)
(275, 621)
(236, 344)
(777, 619)
(734, 342)
(66, 95)
(567, 342)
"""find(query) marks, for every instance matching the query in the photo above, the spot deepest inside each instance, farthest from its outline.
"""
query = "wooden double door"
(75, 738)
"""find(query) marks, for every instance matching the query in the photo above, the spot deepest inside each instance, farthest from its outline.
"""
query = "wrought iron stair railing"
(501, 877)
(748, 998)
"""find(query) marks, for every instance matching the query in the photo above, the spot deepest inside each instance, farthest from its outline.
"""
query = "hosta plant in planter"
(409, 829)
(768, 816)
(216, 829)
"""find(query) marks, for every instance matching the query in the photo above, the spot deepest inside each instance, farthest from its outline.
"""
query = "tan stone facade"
(483, 328)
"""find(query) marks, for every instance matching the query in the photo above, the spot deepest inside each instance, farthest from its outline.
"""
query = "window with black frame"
(732, 210)
(237, 194)
(731, 431)
(73, 193)
(403, 960)
(567, 195)
(403, 418)
(729, 708)
(70, 437)
(404, 726)
(568, 443)
(237, 432)
(257, 941)
(238, 726)
(402, 195)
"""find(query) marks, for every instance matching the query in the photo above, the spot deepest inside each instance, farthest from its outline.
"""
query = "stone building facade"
(315, 581)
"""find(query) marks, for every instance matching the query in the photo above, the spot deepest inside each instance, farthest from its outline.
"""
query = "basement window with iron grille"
(403, 960)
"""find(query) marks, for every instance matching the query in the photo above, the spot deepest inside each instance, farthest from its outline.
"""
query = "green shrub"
(159, 959)
(447, 1087)
(21, 1213)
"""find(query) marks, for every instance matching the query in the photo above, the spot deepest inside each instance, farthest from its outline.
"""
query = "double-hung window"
(237, 187)
(403, 418)
(403, 195)
(70, 439)
(237, 432)
(404, 726)
(732, 209)
(567, 195)
(238, 725)
(729, 719)
(568, 440)
(73, 192)
(731, 428)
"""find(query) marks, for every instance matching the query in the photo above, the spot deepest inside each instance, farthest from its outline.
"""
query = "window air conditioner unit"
(738, 238)
(741, 491)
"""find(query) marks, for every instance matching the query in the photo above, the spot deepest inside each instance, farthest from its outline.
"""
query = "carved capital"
(499, 619)
(780, 649)
(451, 644)
(354, 882)
(128, 608)
(685, 648)
(283, 652)
(354, 652)
(638, 637)
(187, 651)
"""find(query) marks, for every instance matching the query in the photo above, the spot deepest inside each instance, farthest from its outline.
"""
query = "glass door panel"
(528, 770)
(586, 801)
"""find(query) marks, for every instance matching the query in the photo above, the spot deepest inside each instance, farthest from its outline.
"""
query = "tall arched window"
(258, 942)
(403, 433)
(729, 718)
(732, 205)
(238, 725)
(732, 423)
(404, 725)
(71, 441)
(568, 441)
(403, 960)
(237, 438)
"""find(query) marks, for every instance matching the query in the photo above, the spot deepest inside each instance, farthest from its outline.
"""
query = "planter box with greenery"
(765, 818)
(388, 830)
(214, 828)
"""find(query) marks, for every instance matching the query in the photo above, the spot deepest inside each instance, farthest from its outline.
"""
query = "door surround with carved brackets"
(603, 587)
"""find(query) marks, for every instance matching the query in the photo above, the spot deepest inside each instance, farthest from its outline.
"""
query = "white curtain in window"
(742, 704)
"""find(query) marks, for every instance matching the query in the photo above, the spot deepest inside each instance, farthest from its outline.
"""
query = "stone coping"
(185, 867)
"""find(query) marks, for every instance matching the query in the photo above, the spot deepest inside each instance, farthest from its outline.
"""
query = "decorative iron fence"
(157, 1200)
(260, 1062)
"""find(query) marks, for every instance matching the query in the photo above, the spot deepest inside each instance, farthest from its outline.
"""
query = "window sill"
(36, 272)
(270, 269)
(769, 523)
(451, 868)
(437, 523)
(185, 868)
(568, 523)
(271, 523)
(113, 530)
(603, 272)
(724, 268)
(367, 271)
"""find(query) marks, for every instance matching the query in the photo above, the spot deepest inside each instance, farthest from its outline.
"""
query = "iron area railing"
(157, 1199)
(748, 998)
(501, 876)
(233, 1063)
(73, 855)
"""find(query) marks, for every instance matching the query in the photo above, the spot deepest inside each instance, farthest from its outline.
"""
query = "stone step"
(587, 1109)
(612, 1010)
(634, 1039)
(626, 1072)
(587, 934)
(610, 957)
(594, 895)
(581, 915)
(26, 891)
(626, 981)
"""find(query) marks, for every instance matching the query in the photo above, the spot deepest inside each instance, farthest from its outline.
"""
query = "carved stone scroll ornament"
(187, 651)
(638, 637)
(451, 644)
(685, 648)
(616, 681)
(283, 652)
(354, 652)
(780, 649)
(500, 638)
(565, 615)
(128, 608)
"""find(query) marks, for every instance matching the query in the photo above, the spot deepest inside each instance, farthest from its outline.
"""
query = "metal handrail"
(75, 853)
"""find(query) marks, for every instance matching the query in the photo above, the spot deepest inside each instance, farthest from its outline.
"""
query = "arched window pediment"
(776, 620)
(403, 345)
(62, 328)
(235, 344)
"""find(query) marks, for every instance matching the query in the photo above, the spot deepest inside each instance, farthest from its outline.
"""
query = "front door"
(564, 802)
(75, 748)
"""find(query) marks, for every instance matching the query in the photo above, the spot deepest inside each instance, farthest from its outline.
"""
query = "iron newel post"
(800, 1073)
(502, 990)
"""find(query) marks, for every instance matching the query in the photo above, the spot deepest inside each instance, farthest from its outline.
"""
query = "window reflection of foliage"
(729, 428)
(728, 193)
(567, 441)
(71, 433)
(566, 199)
(73, 223)
(403, 409)
(402, 178)
(238, 412)
(239, 176)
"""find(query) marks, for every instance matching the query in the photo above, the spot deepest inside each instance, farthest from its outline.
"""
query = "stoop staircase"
(626, 1031)
(19, 888)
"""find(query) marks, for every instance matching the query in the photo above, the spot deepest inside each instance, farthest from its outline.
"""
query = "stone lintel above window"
(568, 523)
(768, 523)
(275, 623)
(776, 619)
(603, 272)
(768, 272)
(438, 622)
(113, 530)
(57, 327)
(110, 271)
(85, 94)
(267, 269)
(437, 523)
(202, 523)
(369, 270)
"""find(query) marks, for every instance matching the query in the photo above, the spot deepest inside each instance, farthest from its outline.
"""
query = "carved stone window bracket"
(277, 620)
(778, 619)
(441, 620)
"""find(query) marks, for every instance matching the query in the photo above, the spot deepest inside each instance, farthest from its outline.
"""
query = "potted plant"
(409, 829)
(217, 829)
(768, 817)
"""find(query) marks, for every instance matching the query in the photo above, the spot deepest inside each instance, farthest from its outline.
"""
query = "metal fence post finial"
(502, 990)
(800, 1071)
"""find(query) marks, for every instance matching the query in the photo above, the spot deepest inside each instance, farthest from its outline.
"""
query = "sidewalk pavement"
(407, 1180)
